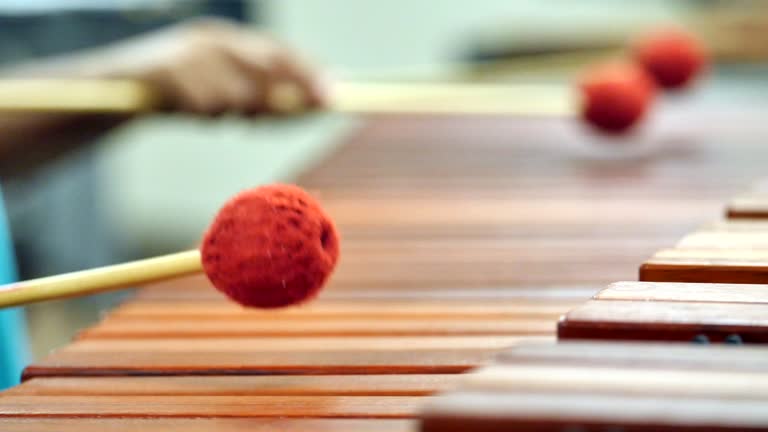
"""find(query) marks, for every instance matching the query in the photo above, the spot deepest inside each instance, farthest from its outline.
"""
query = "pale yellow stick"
(71, 95)
(456, 98)
(101, 279)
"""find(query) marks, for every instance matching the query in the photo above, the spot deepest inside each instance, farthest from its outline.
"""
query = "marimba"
(610, 387)
(672, 311)
(582, 384)
(463, 237)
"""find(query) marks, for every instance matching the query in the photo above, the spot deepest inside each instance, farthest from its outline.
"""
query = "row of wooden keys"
(369, 355)
(614, 368)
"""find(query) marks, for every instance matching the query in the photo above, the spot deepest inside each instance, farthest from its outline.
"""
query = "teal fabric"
(14, 351)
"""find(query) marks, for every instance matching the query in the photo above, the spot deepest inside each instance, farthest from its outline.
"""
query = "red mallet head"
(269, 247)
(615, 96)
(673, 57)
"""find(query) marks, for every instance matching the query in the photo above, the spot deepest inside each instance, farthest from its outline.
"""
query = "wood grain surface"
(671, 311)
(461, 237)
(591, 386)
(724, 252)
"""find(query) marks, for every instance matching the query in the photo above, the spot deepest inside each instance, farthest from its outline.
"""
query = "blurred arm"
(205, 67)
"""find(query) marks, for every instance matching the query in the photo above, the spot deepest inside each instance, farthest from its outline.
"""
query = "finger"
(285, 97)
(288, 66)
(255, 61)
(176, 95)
(250, 75)
(186, 89)
(292, 62)
(264, 58)
(234, 89)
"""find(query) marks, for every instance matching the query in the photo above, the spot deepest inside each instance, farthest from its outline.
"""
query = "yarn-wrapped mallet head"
(615, 96)
(672, 56)
(270, 246)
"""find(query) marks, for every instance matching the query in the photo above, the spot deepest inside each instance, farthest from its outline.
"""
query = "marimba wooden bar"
(672, 312)
(752, 204)
(733, 251)
(462, 237)
(729, 251)
(590, 386)
(725, 254)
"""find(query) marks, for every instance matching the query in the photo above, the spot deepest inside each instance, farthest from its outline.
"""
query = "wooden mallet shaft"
(101, 279)
(124, 96)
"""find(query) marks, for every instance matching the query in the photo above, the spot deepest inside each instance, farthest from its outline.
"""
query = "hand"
(205, 66)
(213, 66)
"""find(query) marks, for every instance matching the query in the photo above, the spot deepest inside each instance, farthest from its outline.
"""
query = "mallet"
(267, 247)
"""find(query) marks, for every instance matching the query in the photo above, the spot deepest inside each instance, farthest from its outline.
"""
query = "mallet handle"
(101, 279)
(100, 95)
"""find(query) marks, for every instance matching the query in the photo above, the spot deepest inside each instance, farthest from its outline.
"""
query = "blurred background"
(152, 185)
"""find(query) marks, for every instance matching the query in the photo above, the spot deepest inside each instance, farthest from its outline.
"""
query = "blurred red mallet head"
(615, 96)
(673, 57)
(270, 246)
